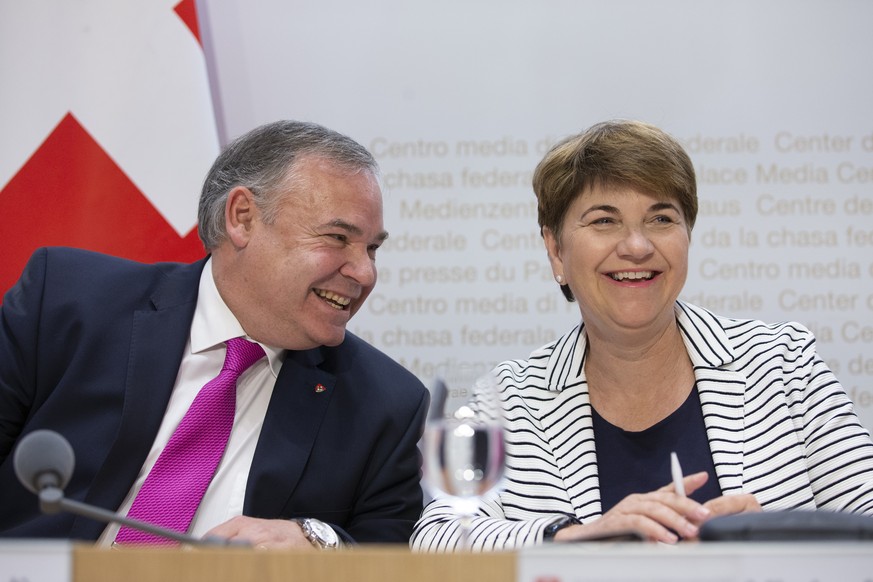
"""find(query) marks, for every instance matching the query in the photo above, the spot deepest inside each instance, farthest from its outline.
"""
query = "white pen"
(676, 470)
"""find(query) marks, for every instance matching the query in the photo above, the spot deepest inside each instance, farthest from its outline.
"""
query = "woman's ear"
(553, 249)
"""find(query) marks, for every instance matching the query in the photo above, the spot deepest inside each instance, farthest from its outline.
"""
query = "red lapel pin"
(320, 388)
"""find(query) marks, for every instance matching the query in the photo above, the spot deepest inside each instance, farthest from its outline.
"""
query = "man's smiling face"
(305, 273)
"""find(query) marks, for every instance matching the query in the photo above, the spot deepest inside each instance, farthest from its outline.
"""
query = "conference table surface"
(602, 562)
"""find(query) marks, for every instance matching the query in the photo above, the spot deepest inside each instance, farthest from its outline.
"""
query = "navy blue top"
(639, 462)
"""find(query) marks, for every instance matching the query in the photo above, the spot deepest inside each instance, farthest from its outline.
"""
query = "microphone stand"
(52, 500)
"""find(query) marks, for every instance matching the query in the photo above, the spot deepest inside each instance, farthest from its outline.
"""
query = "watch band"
(553, 528)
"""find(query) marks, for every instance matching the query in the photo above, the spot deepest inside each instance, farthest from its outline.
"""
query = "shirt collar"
(214, 323)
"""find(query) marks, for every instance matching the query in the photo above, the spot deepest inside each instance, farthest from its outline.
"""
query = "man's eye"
(339, 237)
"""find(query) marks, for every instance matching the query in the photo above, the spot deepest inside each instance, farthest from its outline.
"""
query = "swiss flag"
(106, 129)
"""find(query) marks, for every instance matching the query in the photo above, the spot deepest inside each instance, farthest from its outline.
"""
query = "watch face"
(323, 532)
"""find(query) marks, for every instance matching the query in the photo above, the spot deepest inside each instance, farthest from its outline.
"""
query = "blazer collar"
(702, 332)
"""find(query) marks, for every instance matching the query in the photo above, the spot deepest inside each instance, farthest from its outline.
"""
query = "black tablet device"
(788, 526)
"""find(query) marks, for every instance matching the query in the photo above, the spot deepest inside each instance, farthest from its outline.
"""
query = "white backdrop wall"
(459, 100)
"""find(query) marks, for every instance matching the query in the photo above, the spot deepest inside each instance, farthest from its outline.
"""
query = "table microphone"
(44, 462)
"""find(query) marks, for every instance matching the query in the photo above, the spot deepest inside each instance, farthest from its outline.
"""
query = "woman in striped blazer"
(753, 413)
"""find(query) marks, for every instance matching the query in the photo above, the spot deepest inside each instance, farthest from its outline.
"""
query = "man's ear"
(240, 215)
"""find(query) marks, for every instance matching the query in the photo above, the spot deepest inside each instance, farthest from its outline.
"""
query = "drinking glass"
(463, 444)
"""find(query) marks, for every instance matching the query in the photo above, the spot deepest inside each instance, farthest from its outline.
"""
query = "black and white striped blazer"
(778, 422)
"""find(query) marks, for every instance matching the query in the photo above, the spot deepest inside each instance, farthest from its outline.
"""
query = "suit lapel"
(565, 416)
(300, 400)
(567, 423)
(158, 340)
(722, 402)
(721, 391)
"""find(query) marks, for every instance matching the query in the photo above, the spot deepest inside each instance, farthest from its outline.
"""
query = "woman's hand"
(730, 504)
(661, 515)
(656, 516)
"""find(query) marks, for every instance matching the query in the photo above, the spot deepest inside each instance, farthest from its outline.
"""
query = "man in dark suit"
(111, 353)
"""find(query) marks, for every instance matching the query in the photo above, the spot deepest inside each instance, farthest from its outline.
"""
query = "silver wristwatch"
(319, 533)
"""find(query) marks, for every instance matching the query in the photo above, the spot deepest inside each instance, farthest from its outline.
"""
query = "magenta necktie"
(174, 487)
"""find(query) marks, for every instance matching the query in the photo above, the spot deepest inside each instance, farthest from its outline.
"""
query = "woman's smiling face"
(624, 255)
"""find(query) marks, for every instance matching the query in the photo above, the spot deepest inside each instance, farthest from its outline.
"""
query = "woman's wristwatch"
(553, 528)
(319, 533)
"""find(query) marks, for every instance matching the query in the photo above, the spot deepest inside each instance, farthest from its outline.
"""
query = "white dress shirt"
(213, 324)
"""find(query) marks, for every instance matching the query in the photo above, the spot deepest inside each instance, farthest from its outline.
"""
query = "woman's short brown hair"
(613, 153)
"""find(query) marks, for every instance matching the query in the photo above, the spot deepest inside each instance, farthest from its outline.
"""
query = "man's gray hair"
(263, 161)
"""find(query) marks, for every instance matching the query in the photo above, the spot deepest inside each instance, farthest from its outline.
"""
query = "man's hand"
(263, 533)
